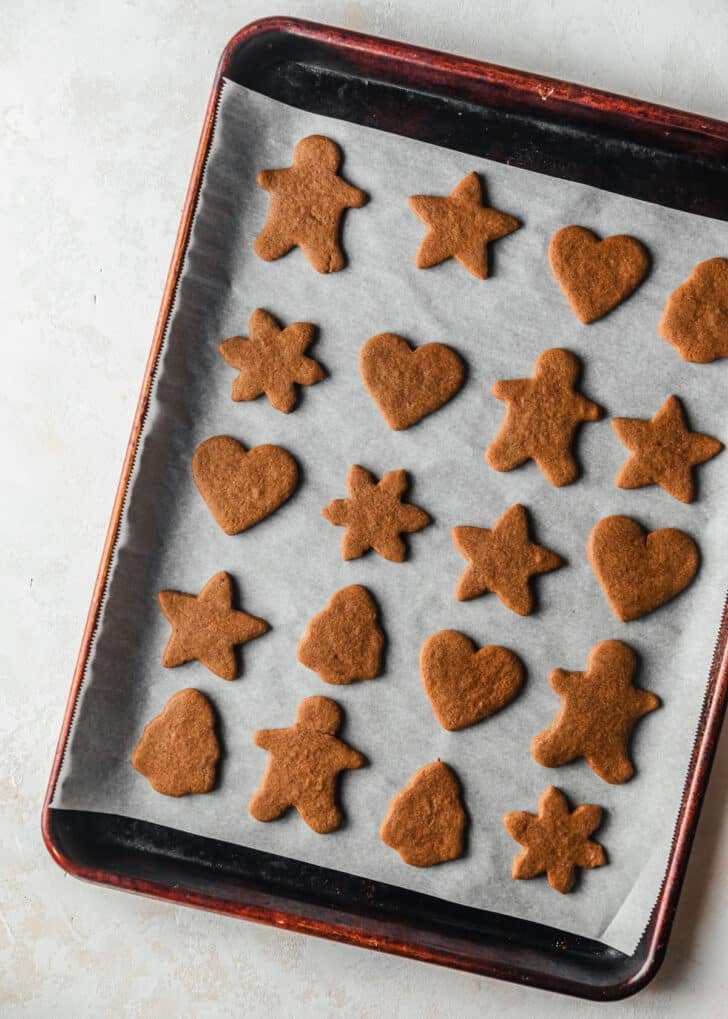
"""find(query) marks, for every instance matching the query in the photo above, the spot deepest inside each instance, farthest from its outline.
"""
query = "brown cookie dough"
(556, 840)
(375, 516)
(639, 570)
(344, 642)
(695, 320)
(599, 709)
(503, 560)
(206, 628)
(664, 451)
(426, 821)
(408, 384)
(272, 361)
(179, 751)
(308, 201)
(466, 684)
(241, 487)
(542, 416)
(304, 765)
(460, 226)
(595, 275)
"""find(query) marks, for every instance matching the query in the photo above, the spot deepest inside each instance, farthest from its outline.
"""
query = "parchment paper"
(288, 566)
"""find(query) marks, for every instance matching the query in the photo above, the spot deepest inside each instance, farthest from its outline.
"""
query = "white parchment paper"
(288, 566)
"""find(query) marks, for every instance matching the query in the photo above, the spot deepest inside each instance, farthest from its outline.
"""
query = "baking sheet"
(288, 566)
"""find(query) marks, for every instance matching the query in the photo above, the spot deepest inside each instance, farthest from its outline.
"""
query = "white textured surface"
(94, 97)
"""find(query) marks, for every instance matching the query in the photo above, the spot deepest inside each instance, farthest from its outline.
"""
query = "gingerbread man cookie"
(305, 762)
(598, 712)
(543, 415)
(308, 201)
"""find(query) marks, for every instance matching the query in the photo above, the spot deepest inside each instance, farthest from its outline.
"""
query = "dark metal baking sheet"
(550, 127)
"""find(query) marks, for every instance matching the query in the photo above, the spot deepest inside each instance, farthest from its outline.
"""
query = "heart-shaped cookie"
(640, 570)
(242, 488)
(466, 684)
(596, 275)
(408, 384)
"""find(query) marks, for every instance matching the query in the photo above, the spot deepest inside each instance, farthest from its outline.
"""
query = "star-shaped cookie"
(308, 201)
(556, 840)
(375, 516)
(272, 361)
(460, 226)
(664, 451)
(206, 628)
(599, 708)
(503, 560)
(542, 417)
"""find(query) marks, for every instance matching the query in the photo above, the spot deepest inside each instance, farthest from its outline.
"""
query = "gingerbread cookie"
(503, 560)
(344, 642)
(308, 201)
(599, 709)
(466, 684)
(305, 762)
(460, 226)
(543, 415)
(242, 487)
(272, 361)
(556, 840)
(640, 571)
(695, 320)
(426, 821)
(375, 516)
(206, 628)
(408, 384)
(595, 275)
(179, 751)
(664, 451)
